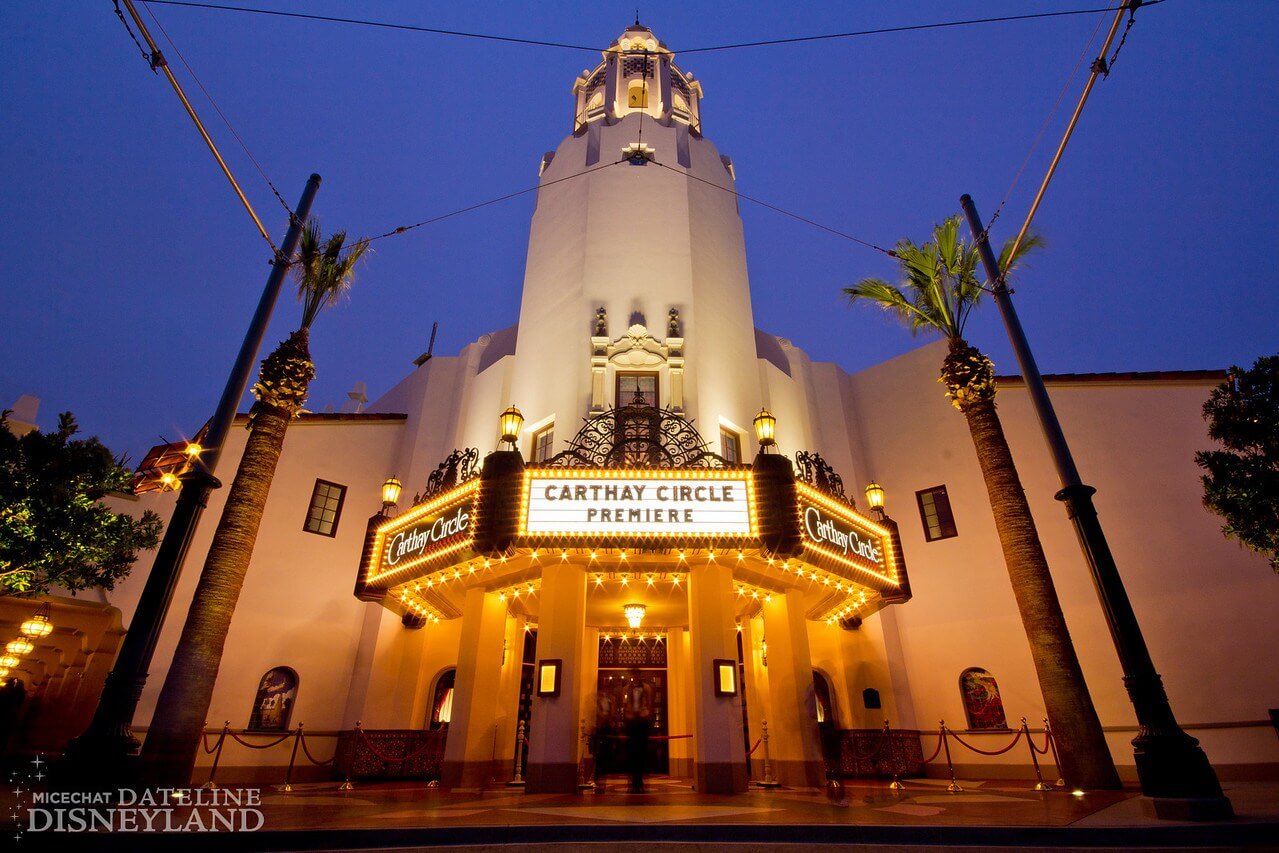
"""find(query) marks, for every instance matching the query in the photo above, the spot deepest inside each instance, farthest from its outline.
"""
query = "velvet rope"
(1031, 741)
(281, 739)
(755, 747)
(311, 758)
(204, 736)
(964, 743)
(937, 751)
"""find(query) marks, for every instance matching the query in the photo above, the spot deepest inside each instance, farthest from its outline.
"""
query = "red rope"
(962, 742)
(311, 758)
(937, 751)
(755, 747)
(205, 737)
(1031, 741)
(275, 742)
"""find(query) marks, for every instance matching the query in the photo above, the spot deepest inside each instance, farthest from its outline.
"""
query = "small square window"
(325, 509)
(730, 446)
(543, 443)
(934, 511)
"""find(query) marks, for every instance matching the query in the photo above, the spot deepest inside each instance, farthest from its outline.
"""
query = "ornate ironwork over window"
(637, 436)
(453, 471)
(816, 471)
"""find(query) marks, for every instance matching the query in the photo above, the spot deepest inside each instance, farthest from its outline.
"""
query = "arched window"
(822, 695)
(982, 705)
(870, 699)
(637, 96)
(273, 705)
(442, 701)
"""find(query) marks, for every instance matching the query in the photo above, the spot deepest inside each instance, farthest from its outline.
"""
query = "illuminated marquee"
(416, 540)
(832, 533)
(712, 503)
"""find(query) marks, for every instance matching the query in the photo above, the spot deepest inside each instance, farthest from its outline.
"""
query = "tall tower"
(636, 241)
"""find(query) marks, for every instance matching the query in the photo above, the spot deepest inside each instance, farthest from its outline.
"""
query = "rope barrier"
(1031, 741)
(311, 758)
(936, 752)
(755, 747)
(964, 743)
(275, 742)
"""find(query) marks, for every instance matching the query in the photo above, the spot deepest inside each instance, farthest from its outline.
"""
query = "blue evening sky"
(132, 271)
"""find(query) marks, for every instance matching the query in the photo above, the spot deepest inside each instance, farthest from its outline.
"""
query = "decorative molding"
(460, 466)
(817, 472)
(637, 436)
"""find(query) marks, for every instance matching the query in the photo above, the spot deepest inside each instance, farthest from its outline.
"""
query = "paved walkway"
(672, 816)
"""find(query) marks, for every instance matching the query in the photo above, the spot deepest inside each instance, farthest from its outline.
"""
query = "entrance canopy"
(640, 534)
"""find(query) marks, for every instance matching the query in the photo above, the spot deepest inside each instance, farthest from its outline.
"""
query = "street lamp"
(391, 493)
(39, 625)
(765, 430)
(512, 420)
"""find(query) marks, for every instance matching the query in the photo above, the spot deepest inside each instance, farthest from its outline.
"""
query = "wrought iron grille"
(459, 467)
(637, 436)
(816, 472)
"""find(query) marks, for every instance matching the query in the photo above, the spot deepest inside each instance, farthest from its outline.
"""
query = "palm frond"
(323, 270)
(893, 300)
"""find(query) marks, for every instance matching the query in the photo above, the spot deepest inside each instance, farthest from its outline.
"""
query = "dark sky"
(132, 271)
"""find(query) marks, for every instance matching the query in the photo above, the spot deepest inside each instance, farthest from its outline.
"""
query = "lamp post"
(1173, 769)
(100, 754)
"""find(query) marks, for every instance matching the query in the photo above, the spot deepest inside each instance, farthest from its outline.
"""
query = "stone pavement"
(671, 815)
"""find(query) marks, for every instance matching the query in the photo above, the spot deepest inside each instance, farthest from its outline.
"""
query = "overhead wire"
(226, 121)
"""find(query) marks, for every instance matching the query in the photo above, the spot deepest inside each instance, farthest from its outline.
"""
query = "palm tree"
(324, 271)
(939, 290)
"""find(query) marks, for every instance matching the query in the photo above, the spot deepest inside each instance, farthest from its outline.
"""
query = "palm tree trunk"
(169, 751)
(1085, 758)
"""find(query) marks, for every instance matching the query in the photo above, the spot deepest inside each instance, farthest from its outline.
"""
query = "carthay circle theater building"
(637, 489)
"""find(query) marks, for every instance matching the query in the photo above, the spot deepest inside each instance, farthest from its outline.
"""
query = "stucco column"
(720, 755)
(508, 698)
(756, 687)
(792, 722)
(468, 752)
(679, 698)
(555, 727)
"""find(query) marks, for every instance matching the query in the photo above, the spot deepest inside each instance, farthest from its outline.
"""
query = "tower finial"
(637, 23)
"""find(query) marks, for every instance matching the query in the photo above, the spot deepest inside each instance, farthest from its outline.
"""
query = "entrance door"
(623, 664)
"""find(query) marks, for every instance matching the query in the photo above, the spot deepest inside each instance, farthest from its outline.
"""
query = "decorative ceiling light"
(39, 625)
(9, 662)
(765, 429)
(19, 647)
(634, 615)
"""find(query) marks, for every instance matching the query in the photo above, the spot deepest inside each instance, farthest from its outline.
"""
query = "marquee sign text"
(432, 531)
(835, 533)
(683, 506)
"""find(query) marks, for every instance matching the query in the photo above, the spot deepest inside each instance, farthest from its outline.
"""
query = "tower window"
(633, 387)
(543, 442)
(730, 446)
(934, 511)
(326, 508)
(638, 96)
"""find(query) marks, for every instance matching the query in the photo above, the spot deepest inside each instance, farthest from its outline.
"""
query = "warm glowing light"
(512, 420)
(765, 428)
(9, 662)
(1076, 793)
(875, 495)
(634, 615)
(169, 481)
(391, 492)
(19, 647)
(193, 450)
(39, 625)
(599, 580)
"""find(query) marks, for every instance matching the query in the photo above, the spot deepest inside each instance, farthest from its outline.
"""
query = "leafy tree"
(324, 270)
(938, 292)
(54, 528)
(1242, 483)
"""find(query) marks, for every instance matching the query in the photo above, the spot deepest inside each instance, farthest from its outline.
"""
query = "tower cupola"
(637, 74)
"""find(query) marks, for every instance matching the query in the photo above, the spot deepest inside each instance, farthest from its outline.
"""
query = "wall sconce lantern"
(634, 615)
(725, 672)
(39, 625)
(765, 430)
(512, 420)
(391, 493)
(875, 496)
(548, 677)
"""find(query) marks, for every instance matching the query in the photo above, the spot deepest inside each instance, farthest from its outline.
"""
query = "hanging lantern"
(19, 647)
(634, 615)
(39, 625)
(512, 420)
(875, 496)
(391, 492)
(765, 428)
(9, 662)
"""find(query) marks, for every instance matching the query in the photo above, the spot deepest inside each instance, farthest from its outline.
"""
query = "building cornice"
(1184, 377)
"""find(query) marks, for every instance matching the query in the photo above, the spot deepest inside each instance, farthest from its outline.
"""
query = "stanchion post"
(1034, 758)
(347, 786)
(518, 778)
(768, 781)
(288, 774)
(217, 756)
(1052, 744)
(953, 787)
(896, 784)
